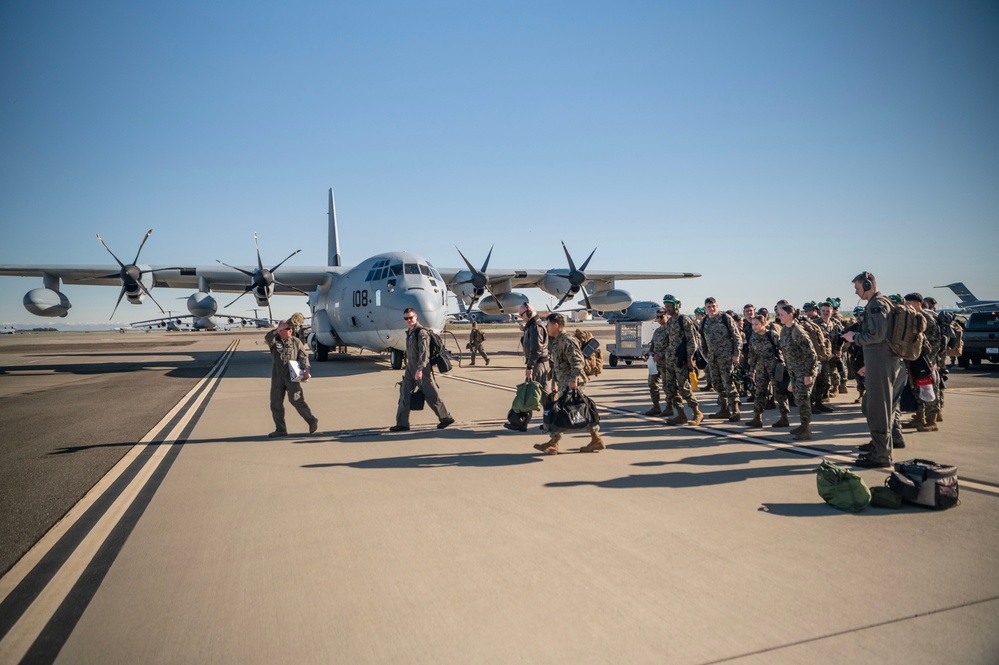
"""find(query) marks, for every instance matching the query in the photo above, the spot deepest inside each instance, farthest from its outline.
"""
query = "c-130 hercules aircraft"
(359, 306)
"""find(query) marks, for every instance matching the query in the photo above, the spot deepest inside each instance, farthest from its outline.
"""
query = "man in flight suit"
(418, 373)
(286, 347)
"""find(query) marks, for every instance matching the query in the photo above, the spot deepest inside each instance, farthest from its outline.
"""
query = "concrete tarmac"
(208, 542)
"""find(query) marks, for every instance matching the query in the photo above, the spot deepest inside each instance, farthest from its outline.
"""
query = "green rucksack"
(842, 488)
(528, 397)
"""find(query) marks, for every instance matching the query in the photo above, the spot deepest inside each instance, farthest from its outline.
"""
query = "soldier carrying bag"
(574, 410)
(906, 328)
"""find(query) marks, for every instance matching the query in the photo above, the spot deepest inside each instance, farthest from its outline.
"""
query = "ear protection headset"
(867, 283)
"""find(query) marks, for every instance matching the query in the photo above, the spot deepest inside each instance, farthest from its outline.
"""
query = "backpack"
(821, 341)
(594, 361)
(906, 328)
(440, 357)
(955, 341)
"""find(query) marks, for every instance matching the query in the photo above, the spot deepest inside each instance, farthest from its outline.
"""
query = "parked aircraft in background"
(640, 310)
(191, 322)
(359, 306)
(967, 300)
(477, 315)
(7, 330)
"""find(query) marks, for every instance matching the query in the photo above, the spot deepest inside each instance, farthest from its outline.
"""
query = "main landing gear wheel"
(396, 359)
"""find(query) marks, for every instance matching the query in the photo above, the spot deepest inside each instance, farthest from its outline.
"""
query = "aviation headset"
(670, 299)
(867, 283)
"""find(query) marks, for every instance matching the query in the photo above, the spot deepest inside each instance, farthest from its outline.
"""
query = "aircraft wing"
(503, 281)
(218, 278)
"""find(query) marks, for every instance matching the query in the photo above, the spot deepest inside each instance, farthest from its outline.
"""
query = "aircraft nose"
(428, 310)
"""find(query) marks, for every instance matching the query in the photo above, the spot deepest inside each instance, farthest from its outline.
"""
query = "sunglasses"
(409, 318)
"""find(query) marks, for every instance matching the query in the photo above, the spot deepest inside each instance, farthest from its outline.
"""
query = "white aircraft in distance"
(968, 302)
(7, 330)
(190, 322)
(359, 306)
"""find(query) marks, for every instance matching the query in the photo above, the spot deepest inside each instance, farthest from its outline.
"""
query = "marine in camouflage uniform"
(285, 347)
(800, 360)
(832, 330)
(764, 354)
(657, 349)
(681, 344)
(925, 419)
(568, 371)
(722, 341)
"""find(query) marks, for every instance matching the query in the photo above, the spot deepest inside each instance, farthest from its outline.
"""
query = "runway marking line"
(36, 615)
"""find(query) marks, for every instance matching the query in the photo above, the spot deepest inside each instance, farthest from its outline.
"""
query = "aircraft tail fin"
(961, 291)
(333, 250)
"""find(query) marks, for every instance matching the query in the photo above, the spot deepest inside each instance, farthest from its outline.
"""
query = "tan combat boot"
(734, 414)
(929, 425)
(654, 411)
(939, 416)
(668, 411)
(783, 422)
(596, 444)
(723, 413)
(917, 421)
(697, 418)
(757, 420)
(549, 448)
(679, 419)
(804, 432)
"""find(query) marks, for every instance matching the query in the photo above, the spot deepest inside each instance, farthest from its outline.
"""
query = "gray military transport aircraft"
(359, 306)
(968, 302)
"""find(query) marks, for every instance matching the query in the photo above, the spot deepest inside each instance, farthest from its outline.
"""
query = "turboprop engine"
(202, 305)
(505, 303)
(46, 302)
(610, 300)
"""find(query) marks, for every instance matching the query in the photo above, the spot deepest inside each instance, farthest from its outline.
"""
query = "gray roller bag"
(925, 483)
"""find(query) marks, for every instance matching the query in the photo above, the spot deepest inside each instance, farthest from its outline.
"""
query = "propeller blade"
(120, 296)
(572, 266)
(141, 245)
(260, 263)
(101, 240)
(568, 294)
(288, 257)
(289, 286)
(146, 291)
(245, 272)
(467, 262)
(587, 261)
(485, 265)
(586, 299)
(248, 289)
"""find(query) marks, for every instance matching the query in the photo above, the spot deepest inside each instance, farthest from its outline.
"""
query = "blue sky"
(778, 148)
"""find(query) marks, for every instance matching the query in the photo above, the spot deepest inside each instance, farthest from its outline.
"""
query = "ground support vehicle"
(631, 341)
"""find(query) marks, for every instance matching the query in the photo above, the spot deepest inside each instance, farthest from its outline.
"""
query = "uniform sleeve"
(811, 360)
(423, 349)
(270, 337)
(303, 354)
(576, 361)
(754, 357)
(735, 335)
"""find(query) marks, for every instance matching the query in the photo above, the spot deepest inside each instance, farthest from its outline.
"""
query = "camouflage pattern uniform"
(680, 331)
(801, 361)
(722, 341)
(763, 350)
(657, 348)
(831, 367)
(932, 348)
(568, 365)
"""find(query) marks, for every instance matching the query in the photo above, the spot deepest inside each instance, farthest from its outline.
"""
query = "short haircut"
(557, 318)
(409, 310)
(747, 306)
(710, 301)
(864, 275)
(914, 297)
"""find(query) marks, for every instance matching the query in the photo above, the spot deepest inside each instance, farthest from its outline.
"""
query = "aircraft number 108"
(361, 298)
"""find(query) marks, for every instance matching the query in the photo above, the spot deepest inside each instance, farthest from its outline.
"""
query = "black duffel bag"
(574, 410)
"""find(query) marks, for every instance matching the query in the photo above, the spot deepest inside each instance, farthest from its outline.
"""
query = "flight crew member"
(681, 346)
(764, 354)
(475, 339)
(535, 341)
(722, 341)
(657, 349)
(568, 373)
(882, 370)
(285, 347)
(803, 364)
(418, 373)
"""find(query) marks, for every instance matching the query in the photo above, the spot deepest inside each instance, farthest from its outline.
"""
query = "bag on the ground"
(528, 397)
(574, 410)
(885, 497)
(518, 420)
(906, 328)
(842, 488)
(440, 357)
(925, 483)
(593, 358)
(417, 400)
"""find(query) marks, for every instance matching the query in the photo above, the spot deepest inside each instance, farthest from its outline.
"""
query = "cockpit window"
(425, 270)
(412, 269)
(436, 274)
(397, 269)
